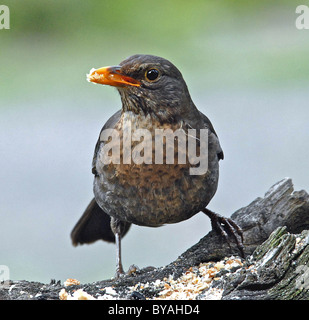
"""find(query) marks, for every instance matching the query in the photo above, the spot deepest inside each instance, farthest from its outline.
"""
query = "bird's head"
(148, 84)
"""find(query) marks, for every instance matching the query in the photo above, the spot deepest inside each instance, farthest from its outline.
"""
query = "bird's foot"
(225, 227)
(133, 269)
(120, 272)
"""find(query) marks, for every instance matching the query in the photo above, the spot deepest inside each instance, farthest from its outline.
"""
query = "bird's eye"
(152, 74)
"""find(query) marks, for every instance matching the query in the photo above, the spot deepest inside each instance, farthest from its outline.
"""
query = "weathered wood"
(276, 240)
(281, 206)
(278, 269)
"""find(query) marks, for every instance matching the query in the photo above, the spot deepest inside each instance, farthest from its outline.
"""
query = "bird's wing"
(110, 123)
(207, 124)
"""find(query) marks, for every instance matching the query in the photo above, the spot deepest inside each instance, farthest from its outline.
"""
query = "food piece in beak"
(111, 76)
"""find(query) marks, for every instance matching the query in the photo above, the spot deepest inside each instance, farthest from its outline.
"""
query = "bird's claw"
(133, 269)
(120, 272)
(225, 227)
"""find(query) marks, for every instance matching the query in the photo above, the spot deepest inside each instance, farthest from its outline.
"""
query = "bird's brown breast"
(149, 173)
(148, 193)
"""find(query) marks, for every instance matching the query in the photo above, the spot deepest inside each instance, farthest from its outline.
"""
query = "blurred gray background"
(246, 66)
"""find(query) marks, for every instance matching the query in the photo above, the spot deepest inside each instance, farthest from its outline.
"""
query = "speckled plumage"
(153, 194)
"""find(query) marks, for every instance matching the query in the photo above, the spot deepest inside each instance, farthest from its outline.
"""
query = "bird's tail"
(94, 225)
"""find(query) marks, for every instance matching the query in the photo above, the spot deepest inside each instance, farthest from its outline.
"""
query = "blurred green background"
(246, 66)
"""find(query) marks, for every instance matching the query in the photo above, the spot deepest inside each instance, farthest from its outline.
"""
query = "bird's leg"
(225, 226)
(119, 267)
(119, 228)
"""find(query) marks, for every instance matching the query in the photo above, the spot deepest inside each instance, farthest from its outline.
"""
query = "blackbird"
(154, 97)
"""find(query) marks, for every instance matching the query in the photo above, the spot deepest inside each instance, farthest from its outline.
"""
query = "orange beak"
(111, 76)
